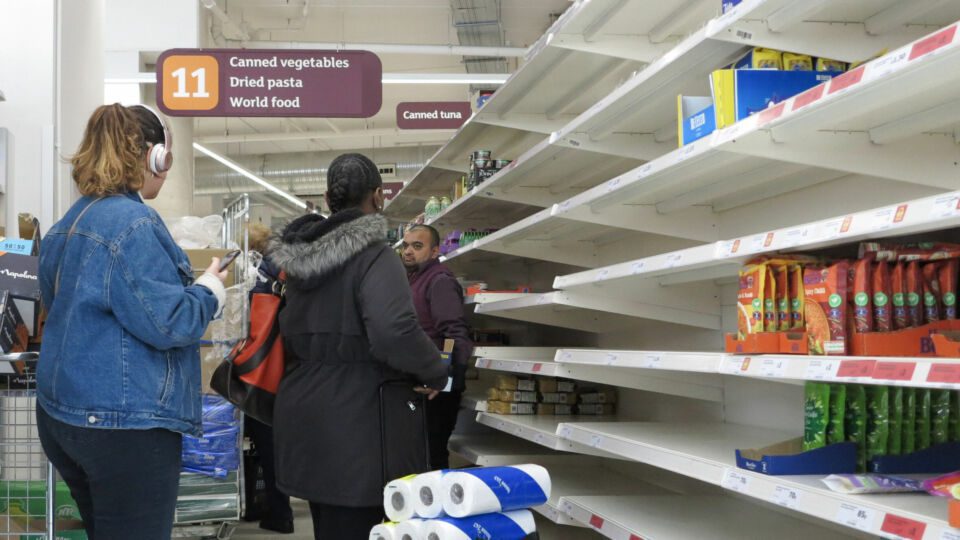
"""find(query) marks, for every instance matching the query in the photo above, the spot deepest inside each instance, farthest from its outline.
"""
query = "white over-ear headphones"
(160, 158)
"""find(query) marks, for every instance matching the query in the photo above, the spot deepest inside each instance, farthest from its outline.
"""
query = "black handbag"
(403, 430)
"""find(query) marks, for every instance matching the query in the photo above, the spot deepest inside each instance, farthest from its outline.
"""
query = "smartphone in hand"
(228, 259)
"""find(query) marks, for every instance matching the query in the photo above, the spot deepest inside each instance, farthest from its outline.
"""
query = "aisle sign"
(433, 115)
(269, 82)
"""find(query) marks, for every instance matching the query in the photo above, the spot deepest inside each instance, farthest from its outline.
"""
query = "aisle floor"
(303, 526)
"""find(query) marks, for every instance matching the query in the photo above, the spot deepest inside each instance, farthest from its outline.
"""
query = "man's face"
(417, 249)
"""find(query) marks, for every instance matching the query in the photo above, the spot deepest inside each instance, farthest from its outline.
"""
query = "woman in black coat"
(348, 325)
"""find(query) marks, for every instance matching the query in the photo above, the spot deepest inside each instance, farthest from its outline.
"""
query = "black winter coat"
(348, 325)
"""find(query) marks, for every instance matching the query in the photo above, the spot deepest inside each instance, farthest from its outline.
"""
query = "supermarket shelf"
(647, 102)
(544, 354)
(706, 452)
(686, 517)
(725, 259)
(498, 449)
(485, 298)
(697, 362)
(541, 430)
(704, 387)
(595, 314)
(575, 481)
(474, 402)
(475, 212)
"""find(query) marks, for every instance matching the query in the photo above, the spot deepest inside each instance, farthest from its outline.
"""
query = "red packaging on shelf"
(862, 296)
(913, 283)
(825, 308)
(931, 292)
(882, 304)
(901, 315)
(948, 287)
(770, 301)
(783, 298)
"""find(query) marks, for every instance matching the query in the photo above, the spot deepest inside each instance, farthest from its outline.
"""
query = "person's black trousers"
(442, 414)
(125, 481)
(343, 523)
(278, 504)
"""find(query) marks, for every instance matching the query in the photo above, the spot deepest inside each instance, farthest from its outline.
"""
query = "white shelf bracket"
(903, 128)
(900, 14)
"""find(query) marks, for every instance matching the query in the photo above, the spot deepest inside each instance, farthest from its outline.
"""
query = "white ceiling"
(420, 22)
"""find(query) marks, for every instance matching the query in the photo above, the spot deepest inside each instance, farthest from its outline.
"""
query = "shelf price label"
(596, 441)
(730, 248)
(637, 267)
(794, 237)
(787, 497)
(539, 438)
(857, 517)
(537, 367)
(596, 522)
(856, 369)
(735, 480)
(610, 359)
(902, 528)
(894, 371)
(888, 64)
(944, 374)
(735, 365)
(565, 432)
(756, 242)
(483, 363)
(939, 40)
(652, 361)
(773, 367)
(820, 370)
(602, 275)
(883, 219)
(686, 152)
(613, 184)
(950, 535)
(674, 260)
(946, 206)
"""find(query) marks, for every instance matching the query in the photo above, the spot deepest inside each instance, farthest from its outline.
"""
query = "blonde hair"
(110, 158)
(259, 237)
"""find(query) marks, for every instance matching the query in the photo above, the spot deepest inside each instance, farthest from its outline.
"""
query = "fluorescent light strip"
(231, 165)
(387, 78)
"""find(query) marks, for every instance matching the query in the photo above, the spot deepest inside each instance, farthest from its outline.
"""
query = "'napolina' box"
(19, 275)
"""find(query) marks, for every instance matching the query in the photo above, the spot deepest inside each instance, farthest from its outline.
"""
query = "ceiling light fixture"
(234, 166)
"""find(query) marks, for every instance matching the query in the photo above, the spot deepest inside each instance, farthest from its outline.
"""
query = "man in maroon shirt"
(438, 298)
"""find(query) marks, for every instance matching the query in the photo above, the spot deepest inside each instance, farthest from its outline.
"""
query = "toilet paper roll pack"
(427, 487)
(384, 531)
(485, 490)
(412, 529)
(398, 498)
(514, 525)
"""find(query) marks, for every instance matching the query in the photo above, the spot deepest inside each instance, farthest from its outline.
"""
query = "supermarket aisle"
(303, 527)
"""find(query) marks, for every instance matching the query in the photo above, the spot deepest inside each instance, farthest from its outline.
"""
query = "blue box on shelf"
(941, 458)
(727, 5)
(738, 93)
(696, 118)
(788, 457)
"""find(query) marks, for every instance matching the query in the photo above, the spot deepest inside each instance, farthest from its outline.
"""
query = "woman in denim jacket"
(119, 373)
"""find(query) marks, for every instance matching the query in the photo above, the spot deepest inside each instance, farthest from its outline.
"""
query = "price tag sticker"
(773, 367)
(637, 267)
(794, 237)
(602, 275)
(645, 171)
(735, 480)
(686, 152)
(613, 184)
(611, 359)
(596, 522)
(902, 528)
(596, 441)
(730, 248)
(856, 369)
(567, 356)
(734, 365)
(566, 432)
(950, 535)
(652, 361)
(887, 64)
(946, 206)
(785, 496)
(482, 363)
(756, 242)
(500, 425)
(821, 370)
(881, 220)
(537, 367)
(894, 371)
(857, 517)
(944, 374)
(674, 260)
(542, 299)
(538, 438)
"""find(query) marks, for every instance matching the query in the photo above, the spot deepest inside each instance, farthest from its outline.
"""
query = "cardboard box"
(547, 386)
(917, 341)
(19, 275)
(788, 457)
(938, 459)
(696, 118)
(566, 386)
(554, 409)
(13, 331)
(501, 407)
(768, 343)
(30, 230)
(558, 397)
(602, 396)
(511, 396)
(596, 409)
(200, 260)
(739, 93)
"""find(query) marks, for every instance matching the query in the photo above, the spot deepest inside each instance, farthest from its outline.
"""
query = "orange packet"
(862, 296)
(948, 288)
(770, 301)
(882, 305)
(898, 288)
(913, 283)
(825, 308)
(783, 298)
(796, 297)
(931, 292)
(750, 300)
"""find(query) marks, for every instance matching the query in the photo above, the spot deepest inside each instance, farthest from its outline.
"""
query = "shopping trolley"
(28, 482)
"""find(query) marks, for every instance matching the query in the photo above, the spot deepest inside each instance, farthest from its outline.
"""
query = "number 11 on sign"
(181, 76)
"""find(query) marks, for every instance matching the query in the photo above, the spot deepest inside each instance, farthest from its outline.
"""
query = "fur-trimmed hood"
(312, 247)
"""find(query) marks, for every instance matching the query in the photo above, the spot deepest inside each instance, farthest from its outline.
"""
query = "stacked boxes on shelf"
(549, 396)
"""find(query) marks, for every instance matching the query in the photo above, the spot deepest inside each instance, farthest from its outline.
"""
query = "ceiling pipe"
(225, 20)
(392, 48)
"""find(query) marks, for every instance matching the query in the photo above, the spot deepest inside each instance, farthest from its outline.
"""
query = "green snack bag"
(816, 410)
(908, 425)
(955, 416)
(838, 404)
(923, 419)
(878, 421)
(940, 416)
(855, 422)
(895, 440)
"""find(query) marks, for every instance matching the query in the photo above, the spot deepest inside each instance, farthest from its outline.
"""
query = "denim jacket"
(121, 342)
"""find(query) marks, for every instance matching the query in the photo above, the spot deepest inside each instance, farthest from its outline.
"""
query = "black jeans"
(442, 414)
(342, 522)
(124, 481)
(278, 504)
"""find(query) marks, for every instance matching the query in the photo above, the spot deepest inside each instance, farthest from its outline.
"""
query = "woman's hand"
(214, 270)
(429, 392)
